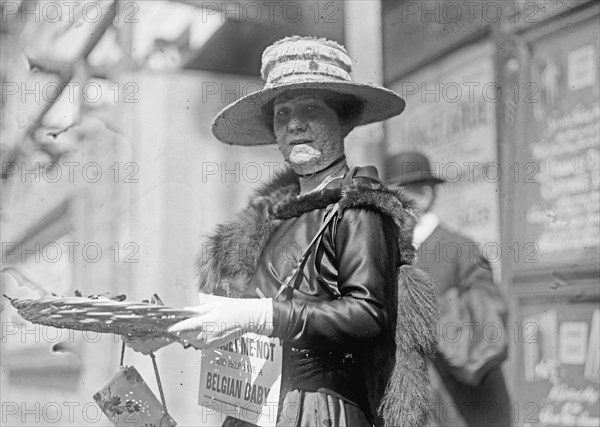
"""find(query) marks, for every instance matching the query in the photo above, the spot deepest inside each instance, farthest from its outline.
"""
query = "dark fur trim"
(230, 255)
(286, 179)
(407, 397)
(388, 202)
(296, 205)
(407, 400)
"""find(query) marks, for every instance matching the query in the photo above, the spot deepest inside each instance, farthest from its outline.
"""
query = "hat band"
(304, 50)
(307, 71)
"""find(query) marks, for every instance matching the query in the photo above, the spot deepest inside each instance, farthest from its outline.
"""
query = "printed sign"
(558, 381)
(540, 346)
(242, 379)
(560, 194)
(582, 64)
(592, 364)
(452, 120)
(573, 343)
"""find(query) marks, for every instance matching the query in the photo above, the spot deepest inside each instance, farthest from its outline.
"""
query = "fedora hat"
(300, 63)
(409, 168)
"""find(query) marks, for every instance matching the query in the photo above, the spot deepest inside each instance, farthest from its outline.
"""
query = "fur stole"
(232, 253)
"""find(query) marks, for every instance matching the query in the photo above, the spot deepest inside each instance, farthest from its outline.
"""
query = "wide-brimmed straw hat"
(295, 63)
(409, 168)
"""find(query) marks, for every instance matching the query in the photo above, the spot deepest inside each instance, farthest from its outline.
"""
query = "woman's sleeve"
(364, 255)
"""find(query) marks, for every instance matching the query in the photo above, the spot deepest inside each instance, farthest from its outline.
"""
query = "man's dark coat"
(454, 261)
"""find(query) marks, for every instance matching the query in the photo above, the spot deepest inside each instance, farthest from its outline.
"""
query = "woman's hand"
(146, 345)
(220, 320)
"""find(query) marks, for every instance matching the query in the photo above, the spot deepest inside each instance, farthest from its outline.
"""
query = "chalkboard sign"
(559, 366)
(558, 180)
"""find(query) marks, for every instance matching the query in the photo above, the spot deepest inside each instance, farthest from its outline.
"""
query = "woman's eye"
(314, 108)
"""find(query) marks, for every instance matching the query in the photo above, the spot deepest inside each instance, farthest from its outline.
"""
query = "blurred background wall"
(503, 97)
(111, 177)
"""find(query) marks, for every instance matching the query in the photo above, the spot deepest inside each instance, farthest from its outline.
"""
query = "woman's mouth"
(303, 153)
(300, 141)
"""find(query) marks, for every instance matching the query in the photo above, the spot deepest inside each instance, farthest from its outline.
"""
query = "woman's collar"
(321, 179)
(295, 204)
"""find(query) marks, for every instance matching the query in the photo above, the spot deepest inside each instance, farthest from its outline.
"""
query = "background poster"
(558, 382)
(560, 197)
(450, 117)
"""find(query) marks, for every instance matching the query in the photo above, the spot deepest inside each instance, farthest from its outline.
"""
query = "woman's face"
(308, 132)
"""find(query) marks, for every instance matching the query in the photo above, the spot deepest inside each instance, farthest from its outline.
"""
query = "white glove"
(221, 320)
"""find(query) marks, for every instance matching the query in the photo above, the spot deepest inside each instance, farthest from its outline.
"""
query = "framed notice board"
(451, 118)
(558, 362)
(558, 192)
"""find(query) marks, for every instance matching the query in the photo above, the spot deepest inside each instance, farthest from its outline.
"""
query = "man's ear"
(428, 192)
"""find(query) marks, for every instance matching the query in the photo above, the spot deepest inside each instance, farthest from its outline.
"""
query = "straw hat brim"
(243, 123)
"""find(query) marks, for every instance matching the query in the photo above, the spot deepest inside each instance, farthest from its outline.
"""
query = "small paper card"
(127, 401)
(242, 379)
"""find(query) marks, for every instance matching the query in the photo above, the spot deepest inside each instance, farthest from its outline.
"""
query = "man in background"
(467, 375)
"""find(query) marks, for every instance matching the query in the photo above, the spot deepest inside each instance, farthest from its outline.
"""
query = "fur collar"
(231, 255)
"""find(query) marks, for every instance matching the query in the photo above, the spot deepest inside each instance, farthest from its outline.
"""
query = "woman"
(364, 324)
